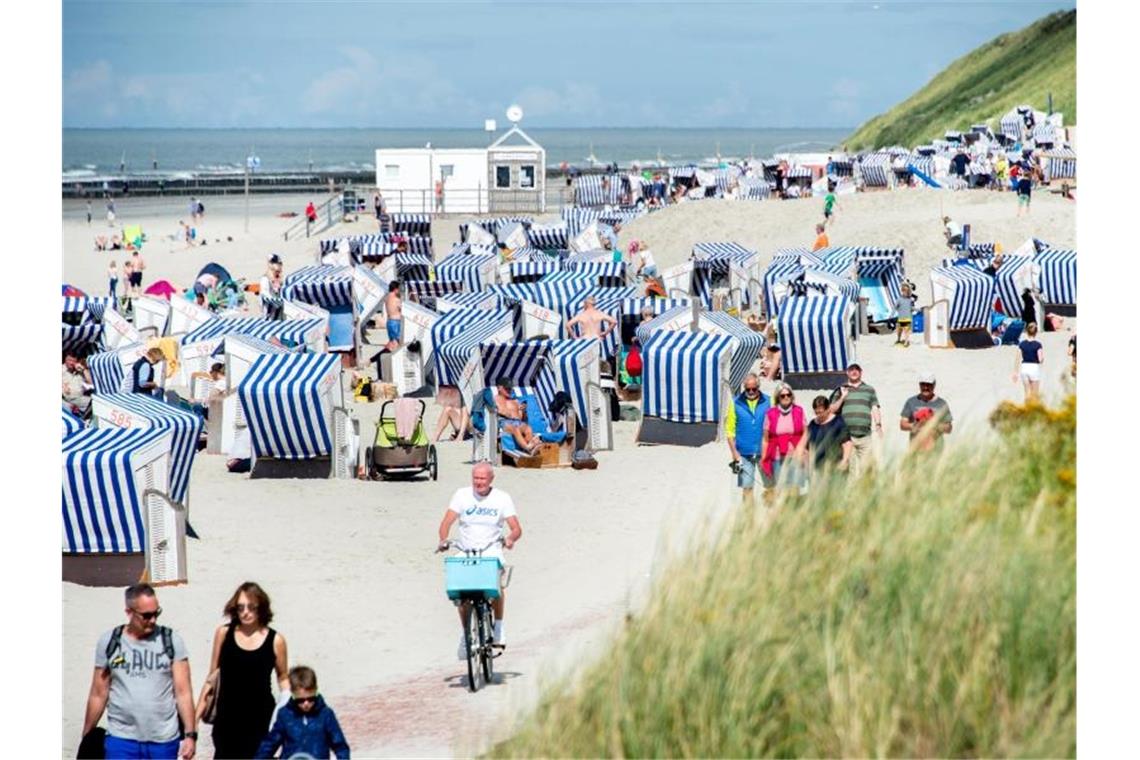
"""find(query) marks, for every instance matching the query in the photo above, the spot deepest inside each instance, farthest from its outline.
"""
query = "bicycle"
(474, 580)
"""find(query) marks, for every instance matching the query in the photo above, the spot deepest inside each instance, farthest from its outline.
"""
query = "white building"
(407, 176)
(507, 176)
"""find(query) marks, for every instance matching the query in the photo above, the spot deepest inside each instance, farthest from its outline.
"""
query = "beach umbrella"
(217, 270)
(70, 291)
(162, 289)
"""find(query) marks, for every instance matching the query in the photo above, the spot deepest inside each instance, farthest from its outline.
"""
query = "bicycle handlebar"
(445, 545)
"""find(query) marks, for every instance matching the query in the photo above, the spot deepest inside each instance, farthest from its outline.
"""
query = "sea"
(188, 153)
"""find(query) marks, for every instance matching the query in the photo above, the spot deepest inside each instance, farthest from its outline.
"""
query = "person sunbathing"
(523, 434)
(507, 407)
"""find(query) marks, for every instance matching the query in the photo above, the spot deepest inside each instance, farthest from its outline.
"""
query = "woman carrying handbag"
(237, 698)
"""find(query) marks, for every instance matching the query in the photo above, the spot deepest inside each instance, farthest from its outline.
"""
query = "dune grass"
(930, 611)
(1018, 68)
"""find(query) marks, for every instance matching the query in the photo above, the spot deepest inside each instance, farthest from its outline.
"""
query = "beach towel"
(169, 348)
(162, 289)
(485, 399)
(407, 415)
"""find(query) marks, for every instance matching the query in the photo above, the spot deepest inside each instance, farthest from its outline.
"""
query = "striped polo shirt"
(856, 411)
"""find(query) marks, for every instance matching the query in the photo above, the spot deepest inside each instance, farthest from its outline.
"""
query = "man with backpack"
(142, 681)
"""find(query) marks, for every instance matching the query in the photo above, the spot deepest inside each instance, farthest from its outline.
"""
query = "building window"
(391, 171)
(502, 176)
(526, 176)
(446, 170)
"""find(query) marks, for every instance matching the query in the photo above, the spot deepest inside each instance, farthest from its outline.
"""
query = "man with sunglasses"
(142, 680)
(744, 429)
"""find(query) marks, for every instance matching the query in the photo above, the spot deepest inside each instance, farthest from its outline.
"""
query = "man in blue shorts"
(142, 682)
(744, 429)
(394, 314)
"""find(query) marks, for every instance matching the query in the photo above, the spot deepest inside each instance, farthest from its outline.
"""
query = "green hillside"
(1018, 68)
(900, 615)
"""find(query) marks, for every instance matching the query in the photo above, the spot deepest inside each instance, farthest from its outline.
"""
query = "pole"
(247, 194)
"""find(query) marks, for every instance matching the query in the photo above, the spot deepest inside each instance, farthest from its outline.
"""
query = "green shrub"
(929, 610)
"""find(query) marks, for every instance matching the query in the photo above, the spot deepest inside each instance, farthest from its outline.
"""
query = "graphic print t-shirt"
(141, 703)
(481, 519)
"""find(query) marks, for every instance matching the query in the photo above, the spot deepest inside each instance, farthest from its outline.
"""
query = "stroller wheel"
(433, 463)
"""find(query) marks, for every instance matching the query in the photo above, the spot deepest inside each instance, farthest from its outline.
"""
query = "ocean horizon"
(91, 153)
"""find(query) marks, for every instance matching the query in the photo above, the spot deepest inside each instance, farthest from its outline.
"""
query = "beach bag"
(92, 747)
(584, 460)
(633, 362)
(210, 711)
(654, 288)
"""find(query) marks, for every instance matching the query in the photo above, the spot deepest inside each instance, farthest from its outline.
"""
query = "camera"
(735, 466)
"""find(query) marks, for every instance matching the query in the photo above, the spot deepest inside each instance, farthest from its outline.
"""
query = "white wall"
(419, 168)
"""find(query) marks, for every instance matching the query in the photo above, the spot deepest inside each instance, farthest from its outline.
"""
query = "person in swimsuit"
(394, 314)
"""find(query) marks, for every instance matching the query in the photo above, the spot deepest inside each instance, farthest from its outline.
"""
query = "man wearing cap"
(926, 417)
(858, 404)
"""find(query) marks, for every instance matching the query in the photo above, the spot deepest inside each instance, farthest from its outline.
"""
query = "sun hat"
(926, 377)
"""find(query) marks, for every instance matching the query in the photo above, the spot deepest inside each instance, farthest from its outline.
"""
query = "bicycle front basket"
(472, 575)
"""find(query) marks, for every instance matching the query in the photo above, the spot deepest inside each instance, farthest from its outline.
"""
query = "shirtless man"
(393, 314)
(512, 414)
(137, 274)
(507, 407)
(591, 322)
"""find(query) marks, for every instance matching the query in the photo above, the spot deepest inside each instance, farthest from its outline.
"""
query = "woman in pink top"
(783, 428)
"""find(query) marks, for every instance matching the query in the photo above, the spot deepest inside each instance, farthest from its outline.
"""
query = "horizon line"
(471, 129)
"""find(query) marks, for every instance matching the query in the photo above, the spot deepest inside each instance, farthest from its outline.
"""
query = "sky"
(276, 63)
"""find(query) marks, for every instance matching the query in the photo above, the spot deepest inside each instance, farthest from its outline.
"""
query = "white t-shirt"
(481, 520)
(647, 259)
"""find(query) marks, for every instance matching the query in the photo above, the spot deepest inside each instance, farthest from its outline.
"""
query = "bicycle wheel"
(486, 621)
(469, 625)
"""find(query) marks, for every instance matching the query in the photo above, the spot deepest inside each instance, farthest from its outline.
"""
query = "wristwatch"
(192, 735)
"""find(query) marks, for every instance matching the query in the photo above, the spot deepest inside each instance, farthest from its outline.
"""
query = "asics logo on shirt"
(492, 511)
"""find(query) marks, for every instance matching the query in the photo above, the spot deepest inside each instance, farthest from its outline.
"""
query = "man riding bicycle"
(481, 511)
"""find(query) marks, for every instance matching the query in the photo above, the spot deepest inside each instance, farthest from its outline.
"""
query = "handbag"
(214, 681)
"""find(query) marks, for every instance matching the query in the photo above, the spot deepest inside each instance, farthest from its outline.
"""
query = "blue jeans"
(115, 747)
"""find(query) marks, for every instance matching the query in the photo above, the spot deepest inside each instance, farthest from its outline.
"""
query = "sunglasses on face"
(245, 607)
(784, 395)
(305, 700)
(751, 390)
(148, 615)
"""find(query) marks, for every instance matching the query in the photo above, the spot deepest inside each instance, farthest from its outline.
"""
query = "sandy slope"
(356, 589)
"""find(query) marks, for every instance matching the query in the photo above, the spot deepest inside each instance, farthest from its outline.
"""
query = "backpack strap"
(167, 642)
(115, 643)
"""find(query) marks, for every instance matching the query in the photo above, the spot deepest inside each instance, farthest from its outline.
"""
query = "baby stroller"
(391, 454)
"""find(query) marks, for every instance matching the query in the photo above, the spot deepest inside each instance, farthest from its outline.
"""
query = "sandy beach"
(356, 589)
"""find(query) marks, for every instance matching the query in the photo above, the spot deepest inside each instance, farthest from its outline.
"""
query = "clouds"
(97, 93)
(305, 64)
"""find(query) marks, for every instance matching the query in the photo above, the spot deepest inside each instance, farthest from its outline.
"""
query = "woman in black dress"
(246, 652)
